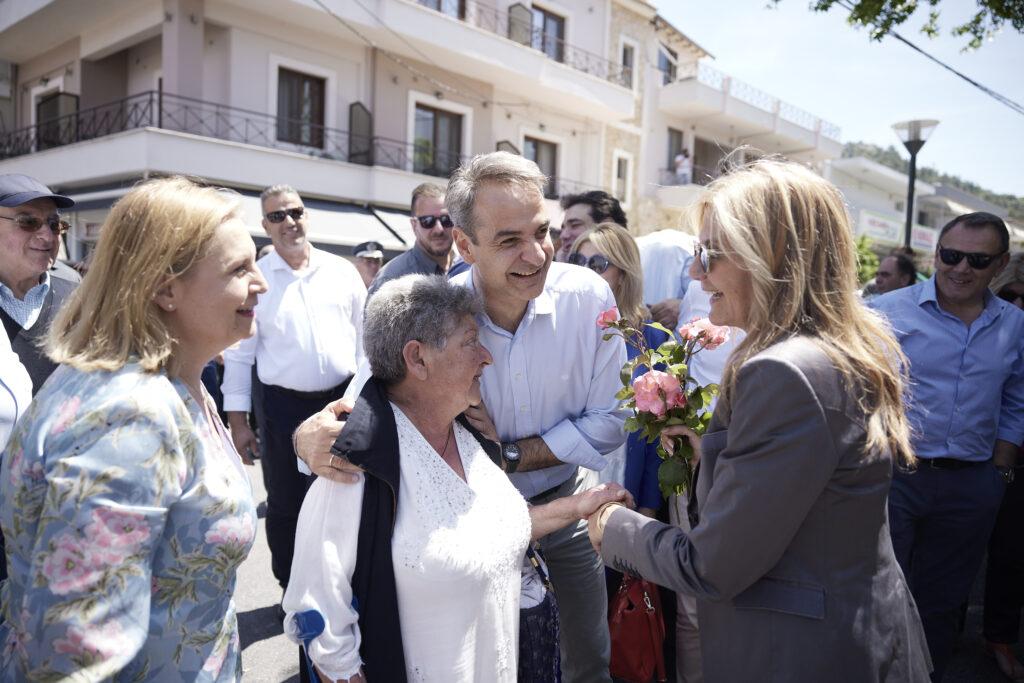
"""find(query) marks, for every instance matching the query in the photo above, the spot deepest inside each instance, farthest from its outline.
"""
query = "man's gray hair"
(496, 167)
(425, 308)
(274, 190)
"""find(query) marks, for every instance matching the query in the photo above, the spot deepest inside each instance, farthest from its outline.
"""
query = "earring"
(170, 307)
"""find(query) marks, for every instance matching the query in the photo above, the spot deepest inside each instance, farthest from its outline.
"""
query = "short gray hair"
(496, 167)
(425, 308)
(274, 190)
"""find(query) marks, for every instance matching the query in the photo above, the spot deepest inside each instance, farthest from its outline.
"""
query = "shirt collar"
(424, 262)
(928, 293)
(544, 304)
(44, 282)
(276, 263)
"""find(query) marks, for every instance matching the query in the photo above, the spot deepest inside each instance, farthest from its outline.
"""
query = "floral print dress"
(126, 517)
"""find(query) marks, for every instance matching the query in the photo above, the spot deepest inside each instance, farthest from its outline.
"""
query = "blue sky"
(819, 63)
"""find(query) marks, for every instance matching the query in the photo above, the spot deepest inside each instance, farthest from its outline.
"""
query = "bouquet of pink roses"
(665, 394)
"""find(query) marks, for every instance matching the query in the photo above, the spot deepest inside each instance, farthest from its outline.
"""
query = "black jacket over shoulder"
(369, 439)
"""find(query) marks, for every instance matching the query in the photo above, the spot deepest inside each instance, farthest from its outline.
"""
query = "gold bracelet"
(601, 520)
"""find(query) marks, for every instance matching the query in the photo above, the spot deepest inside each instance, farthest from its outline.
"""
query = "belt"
(951, 463)
(323, 395)
(540, 497)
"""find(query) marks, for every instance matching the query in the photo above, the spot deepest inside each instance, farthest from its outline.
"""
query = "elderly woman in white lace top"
(416, 568)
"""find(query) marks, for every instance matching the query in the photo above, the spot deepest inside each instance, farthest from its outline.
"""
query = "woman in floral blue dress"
(125, 507)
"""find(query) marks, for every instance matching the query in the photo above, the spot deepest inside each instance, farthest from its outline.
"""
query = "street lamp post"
(913, 135)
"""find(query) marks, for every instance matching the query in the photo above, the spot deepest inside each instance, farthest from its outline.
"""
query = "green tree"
(867, 260)
(881, 17)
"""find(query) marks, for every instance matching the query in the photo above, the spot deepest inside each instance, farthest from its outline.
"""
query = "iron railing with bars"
(517, 24)
(207, 119)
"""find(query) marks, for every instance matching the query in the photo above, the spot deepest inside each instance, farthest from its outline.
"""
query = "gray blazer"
(791, 559)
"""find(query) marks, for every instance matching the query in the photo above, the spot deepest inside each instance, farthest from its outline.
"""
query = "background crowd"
(861, 459)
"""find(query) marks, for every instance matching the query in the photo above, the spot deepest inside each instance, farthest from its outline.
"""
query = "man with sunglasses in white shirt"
(966, 408)
(432, 253)
(307, 346)
(30, 296)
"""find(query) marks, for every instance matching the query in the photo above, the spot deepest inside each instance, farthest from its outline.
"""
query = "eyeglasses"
(278, 216)
(427, 222)
(33, 223)
(596, 263)
(705, 254)
(978, 261)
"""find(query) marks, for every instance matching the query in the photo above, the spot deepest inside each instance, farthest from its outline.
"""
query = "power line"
(1002, 99)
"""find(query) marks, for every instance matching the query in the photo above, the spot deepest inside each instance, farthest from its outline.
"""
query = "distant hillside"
(891, 158)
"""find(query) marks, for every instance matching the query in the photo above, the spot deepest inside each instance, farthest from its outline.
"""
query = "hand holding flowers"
(667, 401)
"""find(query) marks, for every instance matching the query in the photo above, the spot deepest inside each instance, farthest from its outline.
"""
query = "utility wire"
(1002, 99)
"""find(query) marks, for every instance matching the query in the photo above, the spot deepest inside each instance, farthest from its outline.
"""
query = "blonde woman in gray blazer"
(790, 556)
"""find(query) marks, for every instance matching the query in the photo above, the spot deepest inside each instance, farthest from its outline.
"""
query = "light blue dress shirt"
(25, 312)
(556, 377)
(967, 384)
(665, 257)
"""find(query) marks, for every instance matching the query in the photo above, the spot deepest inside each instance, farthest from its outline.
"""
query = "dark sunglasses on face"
(704, 255)
(279, 216)
(596, 263)
(427, 222)
(33, 223)
(978, 261)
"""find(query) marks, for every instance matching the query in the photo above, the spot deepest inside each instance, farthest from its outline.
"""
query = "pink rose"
(608, 317)
(72, 567)
(709, 336)
(118, 533)
(107, 640)
(67, 411)
(658, 392)
(238, 531)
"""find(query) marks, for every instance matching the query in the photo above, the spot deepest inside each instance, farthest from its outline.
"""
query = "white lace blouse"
(457, 551)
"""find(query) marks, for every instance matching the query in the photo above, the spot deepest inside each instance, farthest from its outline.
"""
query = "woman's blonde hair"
(616, 244)
(1012, 273)
(158, 230)
(789, 228)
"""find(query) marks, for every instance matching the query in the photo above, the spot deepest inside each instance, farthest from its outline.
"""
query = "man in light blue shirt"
(966, 409)
(30, 237)
(549, 397)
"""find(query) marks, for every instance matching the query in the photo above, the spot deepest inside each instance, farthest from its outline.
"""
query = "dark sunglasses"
(704, 255)
(427, 222)
(33, 223)
(951, 257)
(278, 216)
(596, 263)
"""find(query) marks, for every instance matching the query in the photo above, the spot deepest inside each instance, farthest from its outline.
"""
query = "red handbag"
(637, 631)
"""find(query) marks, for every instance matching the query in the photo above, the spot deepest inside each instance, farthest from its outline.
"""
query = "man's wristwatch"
(1007, 473)
(510, 456)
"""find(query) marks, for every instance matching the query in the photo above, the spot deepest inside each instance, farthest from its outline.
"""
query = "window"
(300, 108)
(628, 61)
(622, 163)
(667, 63)
(545, 155)
(437, 146)
(548, 33)
(675, 143)
(453, 8)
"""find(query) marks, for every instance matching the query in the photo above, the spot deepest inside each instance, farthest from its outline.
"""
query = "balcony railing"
(187, 115)
(744, 92)
(517, 25)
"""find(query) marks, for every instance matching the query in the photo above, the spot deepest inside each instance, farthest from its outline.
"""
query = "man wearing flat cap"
(432, 254)
(30, 230)
(369, 257)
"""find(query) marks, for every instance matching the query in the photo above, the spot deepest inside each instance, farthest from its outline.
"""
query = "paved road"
(269, 657)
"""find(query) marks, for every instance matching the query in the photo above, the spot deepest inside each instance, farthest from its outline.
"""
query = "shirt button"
(522, 409)
(519, 375)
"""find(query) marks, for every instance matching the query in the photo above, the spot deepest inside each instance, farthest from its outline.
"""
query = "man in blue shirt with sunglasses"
(966, 409)
(432, 253)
